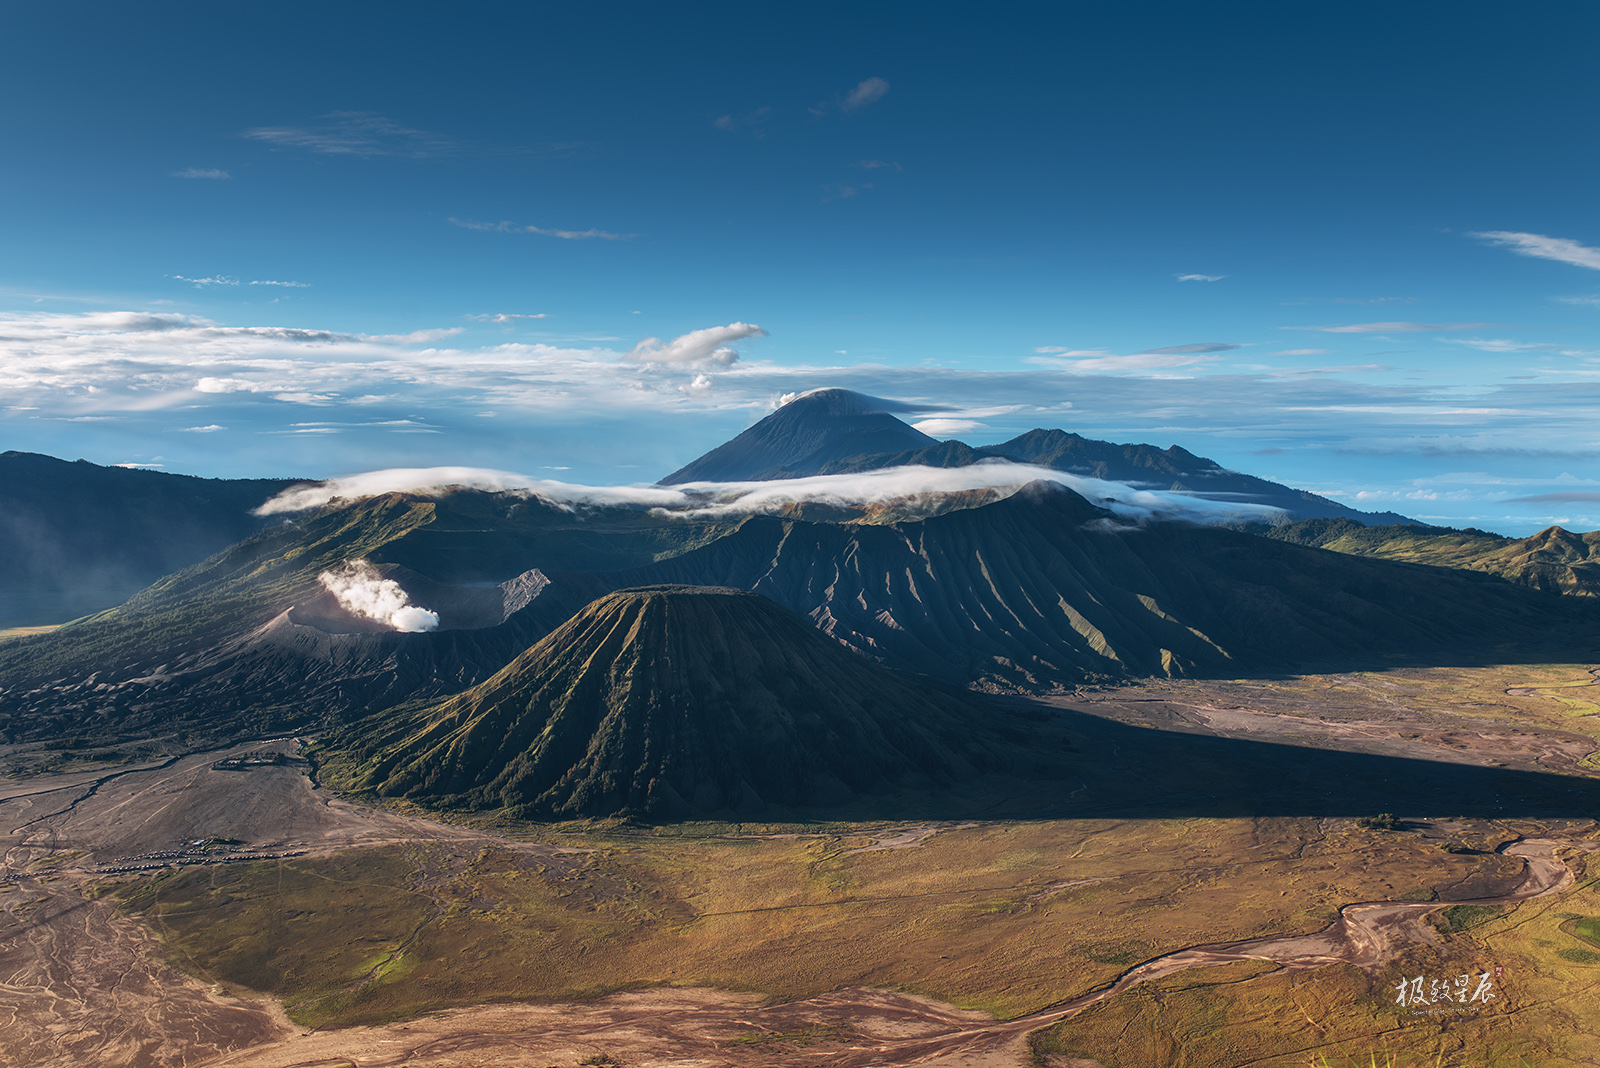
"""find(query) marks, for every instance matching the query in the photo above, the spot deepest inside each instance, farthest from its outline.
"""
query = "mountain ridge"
(837, 431)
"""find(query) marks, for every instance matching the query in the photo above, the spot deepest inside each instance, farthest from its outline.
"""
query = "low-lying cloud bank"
(702, 500)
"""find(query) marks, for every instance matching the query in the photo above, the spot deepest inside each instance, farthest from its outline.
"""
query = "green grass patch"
(1461, 917)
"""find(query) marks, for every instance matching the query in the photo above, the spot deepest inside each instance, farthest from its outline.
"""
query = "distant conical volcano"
(811, 432)
(672, 700)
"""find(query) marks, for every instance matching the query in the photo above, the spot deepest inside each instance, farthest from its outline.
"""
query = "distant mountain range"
(76, 538)
(1553, 559)
(837, 431)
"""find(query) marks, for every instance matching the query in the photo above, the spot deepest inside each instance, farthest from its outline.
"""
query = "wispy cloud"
(1539, 246)
(753, 122)
(869, 91)
(209, 280)
(1592, 300)
(1191, 350)
(1391, 328)
(698, 348)
(225, 280)
(1200, 277)
(840, 191)
(876, 164)
(1501, 344)
(565, 235)
(1304, 352)
(1350, 300)
(355, 133)
(1561, 497)
(210, 429)
(1098, 361)
(201, 172)
(506, 317)
(416, 337)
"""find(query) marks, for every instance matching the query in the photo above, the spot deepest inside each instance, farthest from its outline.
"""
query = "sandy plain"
(83, 981)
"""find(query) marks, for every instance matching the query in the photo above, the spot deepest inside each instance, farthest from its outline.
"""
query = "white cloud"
(870, 91)
(211, 429)
(565, 235)
(753, 121)
(840, 191)
(110, 364)
(1098, 361)
(1192, 350)
(698, 348)
(1304, 352)
(225, 280)
(1200, 277)
(134, 466)
(1494, 344)
(505, 317)
(212, 280)
(211, 384)
(201, 172)
(1592, 300)
(417, 337)
(1391, 328)
(354, 133)
(1560, 249)
(711, 499)
(947, 428)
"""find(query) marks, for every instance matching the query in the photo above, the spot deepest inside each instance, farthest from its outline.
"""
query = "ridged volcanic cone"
(670, 700)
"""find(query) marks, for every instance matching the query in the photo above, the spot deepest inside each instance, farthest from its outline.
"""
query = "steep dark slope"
(801, 438)
(671, 700)
(76, 538)
(1172, 468)
(1044, 589)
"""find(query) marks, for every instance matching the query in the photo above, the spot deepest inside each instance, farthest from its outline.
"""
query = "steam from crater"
(362, 591)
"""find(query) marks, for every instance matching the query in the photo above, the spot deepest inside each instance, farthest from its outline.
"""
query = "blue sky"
(1351, 248)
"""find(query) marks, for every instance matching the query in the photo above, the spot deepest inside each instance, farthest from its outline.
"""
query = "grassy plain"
(1005, 917)
(1545, 1013)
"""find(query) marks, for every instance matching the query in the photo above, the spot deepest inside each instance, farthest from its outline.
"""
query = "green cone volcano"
(671, 700)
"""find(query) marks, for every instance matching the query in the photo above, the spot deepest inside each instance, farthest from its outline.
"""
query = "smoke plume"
(361, 591)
